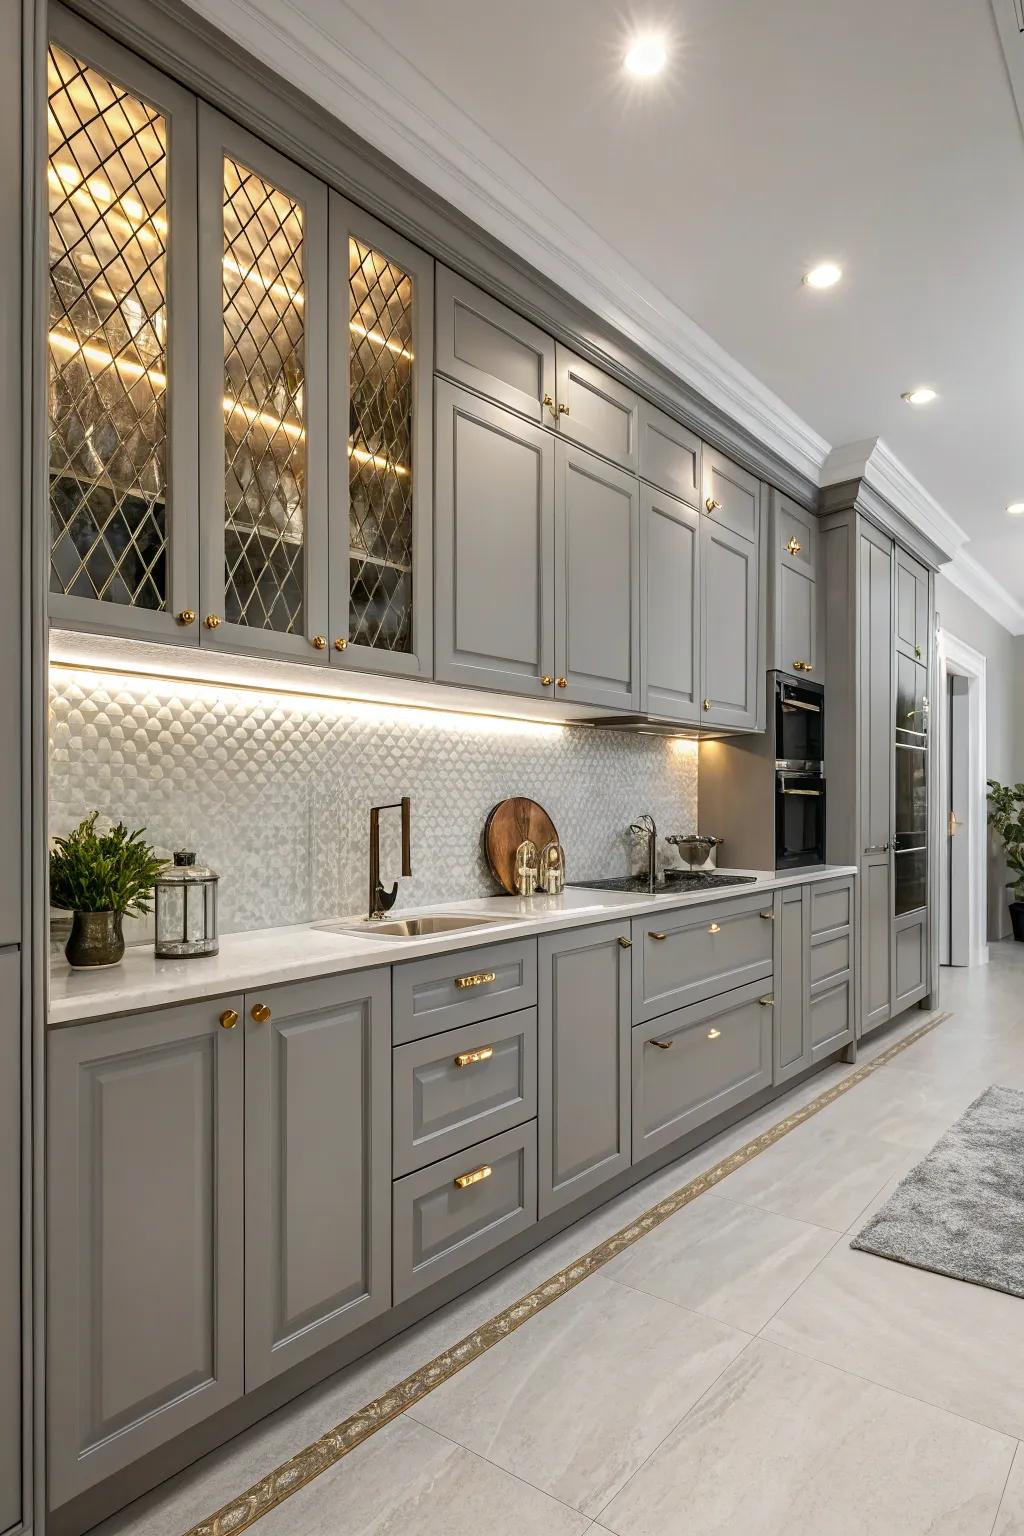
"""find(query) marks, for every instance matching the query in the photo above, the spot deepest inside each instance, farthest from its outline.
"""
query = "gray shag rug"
(961, 1211)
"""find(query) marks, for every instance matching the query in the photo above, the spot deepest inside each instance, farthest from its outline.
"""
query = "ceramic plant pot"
(96, 940)
(1017, 920)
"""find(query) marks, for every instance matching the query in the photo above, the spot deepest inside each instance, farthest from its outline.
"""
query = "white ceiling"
(879, 133)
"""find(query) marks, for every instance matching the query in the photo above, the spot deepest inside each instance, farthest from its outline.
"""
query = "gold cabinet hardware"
(917, 652)
(477, 979)
(474, 1176)
(794, 547)
(714, 927)
(707, 703)
(563, 682)
(626, 943)
(550, 405)
(767, 1002)
(714, 1034)
(663, 1045)
(769, 916)
(319, 642)
(954, 822)
(228, 1019)
(563, 410)
(470, 1058)
(803, 666)
(341, 645)
(546, 680)
(186, 616)
(713, 504)
(259, 1012)
(658, 936)
(213, 621)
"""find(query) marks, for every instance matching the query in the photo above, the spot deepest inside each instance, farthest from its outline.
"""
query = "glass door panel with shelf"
(381, 342)
(263, 396)
(121, 340)
(910, 842)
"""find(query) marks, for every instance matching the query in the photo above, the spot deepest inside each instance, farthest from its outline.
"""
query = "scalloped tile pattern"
(275, 793)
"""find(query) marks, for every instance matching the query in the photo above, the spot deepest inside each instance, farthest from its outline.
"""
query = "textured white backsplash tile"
(276, 793)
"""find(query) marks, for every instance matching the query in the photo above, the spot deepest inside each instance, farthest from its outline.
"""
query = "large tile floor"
(740, 1370)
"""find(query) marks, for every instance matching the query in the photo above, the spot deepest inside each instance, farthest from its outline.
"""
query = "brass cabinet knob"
(714, 927)
(563, 410)
(563, 682)
(707, 703)
(319, 642)
(767, 1002)
(626, 943)
(794, 547)
(186, 616)
(917, 652)
(803, 666)
(228, 1019)
(550, 405)
(768, 916)
(212, 621)
(341, 645)
(546, 680)
(713, 504)
(259, 1012)
(663, 1045)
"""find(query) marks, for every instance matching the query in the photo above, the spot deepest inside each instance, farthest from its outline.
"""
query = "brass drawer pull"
(767, 1002)
(769, 917)
(626, 943)
(260, 1012)
(475, 1176)
(714, 927)
(228, 1019)
(478, 979)
(658, 936)
(470, 1058)
(663, 1045)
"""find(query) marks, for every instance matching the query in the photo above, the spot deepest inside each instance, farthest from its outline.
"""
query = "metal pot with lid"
(697, 851)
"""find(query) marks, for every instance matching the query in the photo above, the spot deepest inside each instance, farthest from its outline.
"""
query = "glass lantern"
(186, 910)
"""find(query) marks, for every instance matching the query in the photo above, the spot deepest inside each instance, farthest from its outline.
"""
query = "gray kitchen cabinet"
(791, 985)
(583, 1027)
(909, 959)
(830, 929)
(730, 496)
(10, 1239)
(595, 411)
(380, 456)
(670, 606)
(697, 1062)
(670, 455)
(263, 423)
(876, 940)
(317, 1166)
(492, 350)
(597, 581)
(793, 586)
(451, 1213)
(876, 774)
(730, 583)
(445, 992)
(911, 607)
(144, 1234)
(690, 953)
(494, 537)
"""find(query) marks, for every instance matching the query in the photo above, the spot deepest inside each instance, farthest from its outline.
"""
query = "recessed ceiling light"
(1015, 508)
(825, 275)
(646, 55)
(922, 395)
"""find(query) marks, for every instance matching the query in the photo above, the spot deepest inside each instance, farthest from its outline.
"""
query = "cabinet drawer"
(707, 1059)
(831, 905)
(669, 455)
(445, 991)
(831, 1019)
(692, 953)
(452, 1090)
(439, 1226)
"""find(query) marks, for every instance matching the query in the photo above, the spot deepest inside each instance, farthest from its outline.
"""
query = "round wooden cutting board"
(510, 823)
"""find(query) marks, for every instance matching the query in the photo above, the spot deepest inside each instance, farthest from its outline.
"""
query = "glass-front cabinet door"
(910, 843)
(121, 340)
(381, 340)
(262, 396)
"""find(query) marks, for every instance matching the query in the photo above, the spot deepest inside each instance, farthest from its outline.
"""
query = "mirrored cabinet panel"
(121, 340)
(382, 314)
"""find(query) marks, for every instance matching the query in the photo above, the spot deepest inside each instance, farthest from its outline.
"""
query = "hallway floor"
(738, 1370)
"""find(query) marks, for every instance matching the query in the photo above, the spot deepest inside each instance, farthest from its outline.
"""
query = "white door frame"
(961, 660)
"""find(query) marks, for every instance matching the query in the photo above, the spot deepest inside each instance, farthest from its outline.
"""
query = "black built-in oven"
(799, 772)
(799, 721)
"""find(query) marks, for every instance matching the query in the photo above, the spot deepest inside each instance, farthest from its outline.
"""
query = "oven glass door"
(799, 820)
(799, 723)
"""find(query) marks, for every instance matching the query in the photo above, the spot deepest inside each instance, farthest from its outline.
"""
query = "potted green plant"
(1007, 816)
(100, 876)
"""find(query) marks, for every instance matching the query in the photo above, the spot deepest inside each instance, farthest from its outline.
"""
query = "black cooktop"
(670, 880)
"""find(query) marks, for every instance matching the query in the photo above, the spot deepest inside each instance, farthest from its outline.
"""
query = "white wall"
(961, 617)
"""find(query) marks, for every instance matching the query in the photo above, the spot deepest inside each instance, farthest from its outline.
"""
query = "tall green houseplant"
(1007, 816)
(101, 876)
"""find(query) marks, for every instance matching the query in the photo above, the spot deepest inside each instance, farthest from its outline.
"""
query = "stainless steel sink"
(416, 927)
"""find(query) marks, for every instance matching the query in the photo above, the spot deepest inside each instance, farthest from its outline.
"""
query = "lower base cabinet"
(814, 936)
(144, 1234)
(583, 1027)
(10, 1239)
(909, 959)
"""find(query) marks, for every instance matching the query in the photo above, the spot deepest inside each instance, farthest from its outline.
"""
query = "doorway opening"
(963, 882)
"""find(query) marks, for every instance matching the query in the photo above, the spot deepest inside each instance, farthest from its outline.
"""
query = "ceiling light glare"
(825, 275)
(1016, 508)
(922, 395)
(646, 56)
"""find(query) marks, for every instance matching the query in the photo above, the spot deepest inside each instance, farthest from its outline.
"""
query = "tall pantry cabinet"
(877, 629)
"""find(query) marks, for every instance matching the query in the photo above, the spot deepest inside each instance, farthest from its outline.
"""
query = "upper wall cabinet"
(670, 455)
(595, 411)
(911, 607)
(262, 396)
(122, 341)
(381, 294)
(793, 606)
(492, 350)
(730, 556)
(669, 606)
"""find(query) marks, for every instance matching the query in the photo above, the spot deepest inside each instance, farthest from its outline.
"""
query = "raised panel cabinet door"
(263, 426)
(381, 478)
(122, 329)
(583, 1028)
(144, 1234)
(669, 606)
(793, 626)
(729, 626)
(791, 987)
(491, 349)
(911, 620)
(909, 960)
(876, 690)
(876, 941)
(730, 496)
(10, 1240)
(317, 1166)
(494, 547)
(596, 411)
(597, 581)
(670, 455)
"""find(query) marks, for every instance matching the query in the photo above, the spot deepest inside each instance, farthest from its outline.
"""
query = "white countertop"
(269, 956)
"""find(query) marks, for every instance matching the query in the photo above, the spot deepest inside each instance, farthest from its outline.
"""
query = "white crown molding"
(983, 589)
(874, 462)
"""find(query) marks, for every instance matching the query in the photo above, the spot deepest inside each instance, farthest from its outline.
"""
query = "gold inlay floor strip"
(242, 1512)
